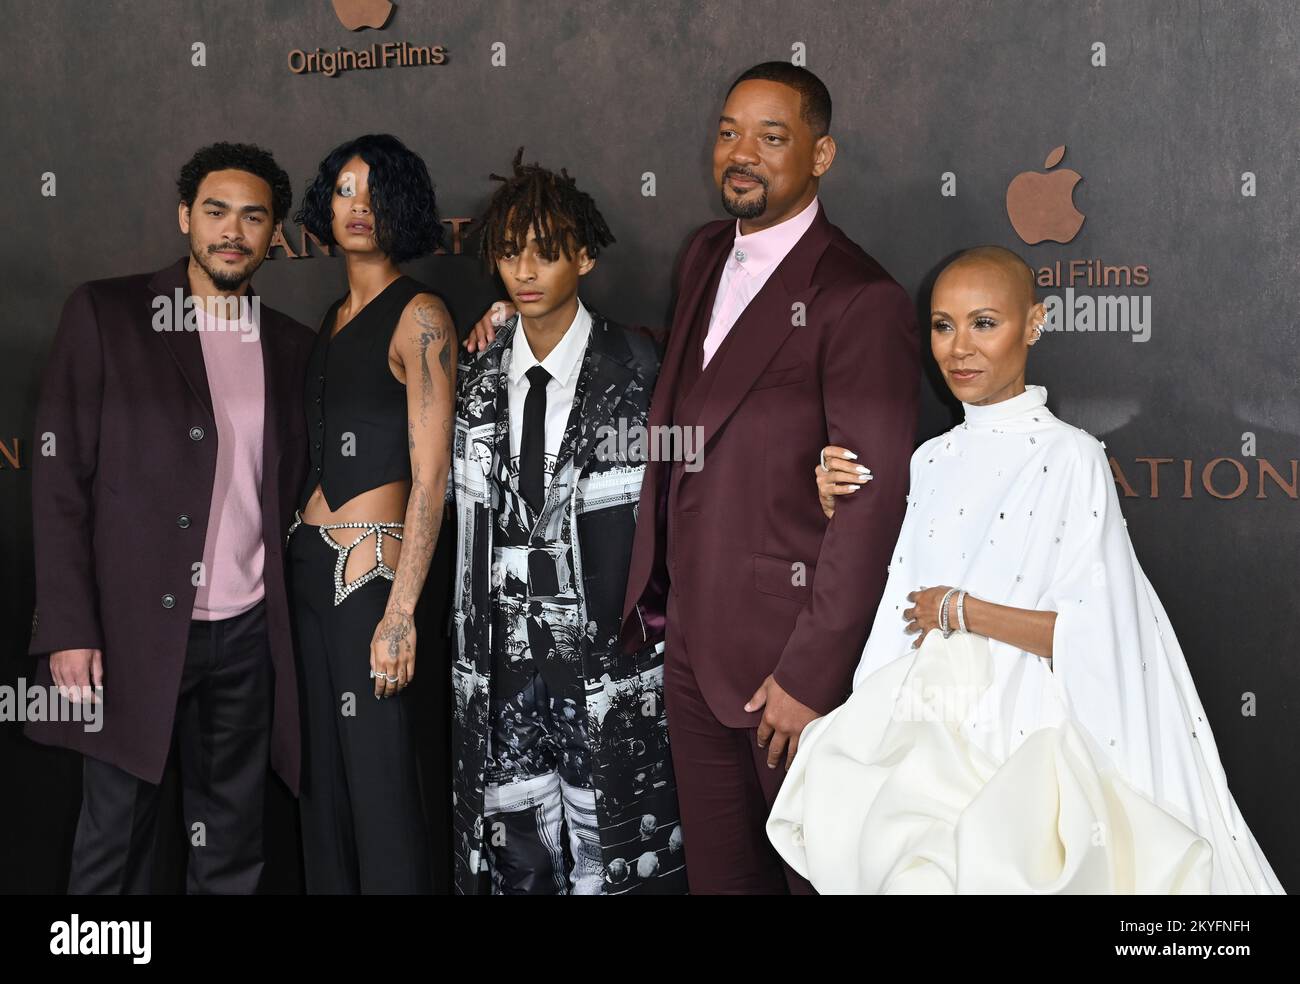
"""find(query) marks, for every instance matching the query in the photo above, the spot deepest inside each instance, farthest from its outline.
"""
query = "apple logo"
(356, 14)
(1040, 204)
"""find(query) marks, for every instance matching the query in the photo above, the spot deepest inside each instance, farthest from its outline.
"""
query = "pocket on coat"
(781, 377)
(783, 578)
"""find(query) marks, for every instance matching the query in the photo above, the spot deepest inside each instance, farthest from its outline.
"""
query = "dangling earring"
(1038, 331)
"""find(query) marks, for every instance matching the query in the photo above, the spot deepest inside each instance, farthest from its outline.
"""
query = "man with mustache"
(174, 444)
(784, 330)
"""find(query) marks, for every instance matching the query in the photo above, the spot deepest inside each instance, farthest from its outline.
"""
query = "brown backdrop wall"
(930, 96)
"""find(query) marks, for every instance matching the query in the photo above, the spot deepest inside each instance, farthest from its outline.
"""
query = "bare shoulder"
(425, 325)
(425, 339)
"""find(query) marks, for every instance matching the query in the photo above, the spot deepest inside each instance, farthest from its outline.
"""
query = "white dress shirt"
(564, 362)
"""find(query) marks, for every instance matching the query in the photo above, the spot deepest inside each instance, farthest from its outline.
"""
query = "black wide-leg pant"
(363, 826)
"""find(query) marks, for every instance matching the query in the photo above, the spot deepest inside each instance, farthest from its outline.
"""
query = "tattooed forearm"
(419, 537)
(429, 446)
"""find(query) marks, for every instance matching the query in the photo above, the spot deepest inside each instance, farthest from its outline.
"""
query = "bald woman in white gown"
(1051, 739)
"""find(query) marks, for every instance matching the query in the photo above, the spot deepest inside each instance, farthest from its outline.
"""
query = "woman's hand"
(392, 653)
(924, 613)
(485, 329)
(1025, 629)
(838, 475)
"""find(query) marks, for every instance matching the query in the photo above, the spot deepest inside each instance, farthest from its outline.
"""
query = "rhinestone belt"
(379, 530)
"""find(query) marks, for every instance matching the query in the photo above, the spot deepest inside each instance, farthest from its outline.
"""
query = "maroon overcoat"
(121, 510)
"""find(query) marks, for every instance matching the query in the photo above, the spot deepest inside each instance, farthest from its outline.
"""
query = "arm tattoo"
(424, 508)
(426, 316)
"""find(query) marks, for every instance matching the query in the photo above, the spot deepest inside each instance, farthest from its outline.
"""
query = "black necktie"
(532, 443)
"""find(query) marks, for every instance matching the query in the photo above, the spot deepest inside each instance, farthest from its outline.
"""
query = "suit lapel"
(500, 361)
(604, 379)
(757, 335)
(697, 270)
(184, 346)
(278, 383)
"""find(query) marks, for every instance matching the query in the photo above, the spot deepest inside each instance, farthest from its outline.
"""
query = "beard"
(746, 209)
(221, 279)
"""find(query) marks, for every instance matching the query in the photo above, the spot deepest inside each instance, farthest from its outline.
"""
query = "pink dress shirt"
(752, 260)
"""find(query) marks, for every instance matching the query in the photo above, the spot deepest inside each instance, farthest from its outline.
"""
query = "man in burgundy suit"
(786, 337)
(173, 442)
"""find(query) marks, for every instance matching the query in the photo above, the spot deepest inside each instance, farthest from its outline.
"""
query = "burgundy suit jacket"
(826, 353)
(136, 450)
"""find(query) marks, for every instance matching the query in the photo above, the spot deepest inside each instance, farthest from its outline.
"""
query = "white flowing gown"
(970, 766)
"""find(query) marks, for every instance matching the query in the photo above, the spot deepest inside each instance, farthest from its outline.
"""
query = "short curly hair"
(401, 197)
(237, 157)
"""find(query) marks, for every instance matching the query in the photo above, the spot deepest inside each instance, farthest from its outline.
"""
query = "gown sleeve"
(1124, 680)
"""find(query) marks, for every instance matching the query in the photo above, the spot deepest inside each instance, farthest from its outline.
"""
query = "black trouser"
(362, 823)
(222, 735)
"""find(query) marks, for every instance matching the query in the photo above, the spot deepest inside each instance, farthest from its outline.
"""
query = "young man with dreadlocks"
(563, 780)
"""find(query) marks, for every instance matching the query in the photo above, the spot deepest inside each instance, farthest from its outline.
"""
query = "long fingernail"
(850, 455)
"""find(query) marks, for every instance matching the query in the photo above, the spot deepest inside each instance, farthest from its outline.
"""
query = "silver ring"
(822, 455)
(390, 679)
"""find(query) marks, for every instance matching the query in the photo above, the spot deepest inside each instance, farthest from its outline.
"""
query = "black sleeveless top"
(356, 408)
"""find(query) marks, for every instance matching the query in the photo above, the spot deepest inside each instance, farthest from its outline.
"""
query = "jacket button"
(183, 522)
(196, 433)
(318, 399)
(169, 601)
(318, 445)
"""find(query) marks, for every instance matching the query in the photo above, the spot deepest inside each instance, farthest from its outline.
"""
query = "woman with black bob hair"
(379, 404)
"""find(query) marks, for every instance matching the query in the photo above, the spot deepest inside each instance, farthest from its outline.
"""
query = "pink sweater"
(233, 552)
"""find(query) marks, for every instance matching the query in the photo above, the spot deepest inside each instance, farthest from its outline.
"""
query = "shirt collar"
(563, 360)
(766, 248)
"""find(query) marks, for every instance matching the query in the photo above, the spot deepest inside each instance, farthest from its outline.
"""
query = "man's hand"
(76, 671)
(485, 329)
(783, 722)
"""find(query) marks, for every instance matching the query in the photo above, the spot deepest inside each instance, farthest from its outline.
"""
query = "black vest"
(356, 408)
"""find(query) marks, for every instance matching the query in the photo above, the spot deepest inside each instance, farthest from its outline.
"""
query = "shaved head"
(1014, 273)
(984, 318)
